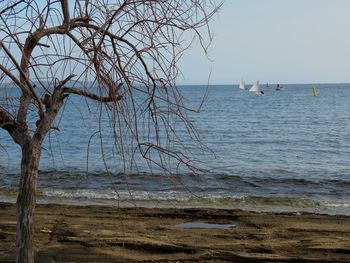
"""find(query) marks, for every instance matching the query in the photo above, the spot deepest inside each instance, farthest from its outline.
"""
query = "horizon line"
(281, 83)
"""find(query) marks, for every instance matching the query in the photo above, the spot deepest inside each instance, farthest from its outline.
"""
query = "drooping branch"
(31, 42)
(127, 42)
(11, 6)
(12, 77)
(27, 85)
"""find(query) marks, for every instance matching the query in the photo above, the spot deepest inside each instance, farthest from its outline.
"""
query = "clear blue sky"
(279, 41)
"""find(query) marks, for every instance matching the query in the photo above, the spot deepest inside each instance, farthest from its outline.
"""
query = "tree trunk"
(26, 202)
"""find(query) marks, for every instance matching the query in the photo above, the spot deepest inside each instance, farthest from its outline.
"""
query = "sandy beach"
(112, 234)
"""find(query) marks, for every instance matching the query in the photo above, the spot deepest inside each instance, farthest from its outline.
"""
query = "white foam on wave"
(169, 195)
(336, 204)
(80, 193)
(187, 199)
(118, 195)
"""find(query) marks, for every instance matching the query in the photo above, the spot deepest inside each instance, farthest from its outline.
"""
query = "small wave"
(177, 198)
(89, 194)
(219, 200)
(336, 204)
(117, 195)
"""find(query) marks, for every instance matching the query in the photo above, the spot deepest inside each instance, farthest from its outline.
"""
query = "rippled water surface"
(285, 151)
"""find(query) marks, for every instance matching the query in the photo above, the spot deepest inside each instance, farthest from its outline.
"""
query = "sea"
(284, 151)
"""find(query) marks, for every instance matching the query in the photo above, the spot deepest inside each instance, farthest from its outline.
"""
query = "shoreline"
(66, 233)
(253, 203)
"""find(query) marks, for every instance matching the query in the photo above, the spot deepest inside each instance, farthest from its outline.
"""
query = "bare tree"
(120, 53)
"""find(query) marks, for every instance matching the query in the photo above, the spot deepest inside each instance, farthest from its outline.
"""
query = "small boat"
(255, 89)
(241, 85)
(279, 87)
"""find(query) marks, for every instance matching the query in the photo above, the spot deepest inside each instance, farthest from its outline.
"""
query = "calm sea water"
(285, 151)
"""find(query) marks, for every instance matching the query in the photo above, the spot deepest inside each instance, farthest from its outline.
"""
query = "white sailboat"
(241, 85)
(255, 87)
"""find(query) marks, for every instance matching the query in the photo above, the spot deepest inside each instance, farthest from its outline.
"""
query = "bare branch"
(65, 11)
(27, 82)
(91, 95)
(64, 82)
(11, 7)
(12, 77)
(7, 122)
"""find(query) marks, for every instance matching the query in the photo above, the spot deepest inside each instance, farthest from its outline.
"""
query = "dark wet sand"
(109, 234)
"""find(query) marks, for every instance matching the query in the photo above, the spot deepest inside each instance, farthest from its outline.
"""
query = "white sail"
(241, 85)
(255, 87)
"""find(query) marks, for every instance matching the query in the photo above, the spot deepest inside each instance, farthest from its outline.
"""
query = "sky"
(275, 41)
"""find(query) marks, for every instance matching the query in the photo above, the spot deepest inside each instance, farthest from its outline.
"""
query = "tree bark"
(26, 200)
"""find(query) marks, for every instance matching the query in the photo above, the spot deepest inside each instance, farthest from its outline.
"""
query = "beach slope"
(111, 234)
